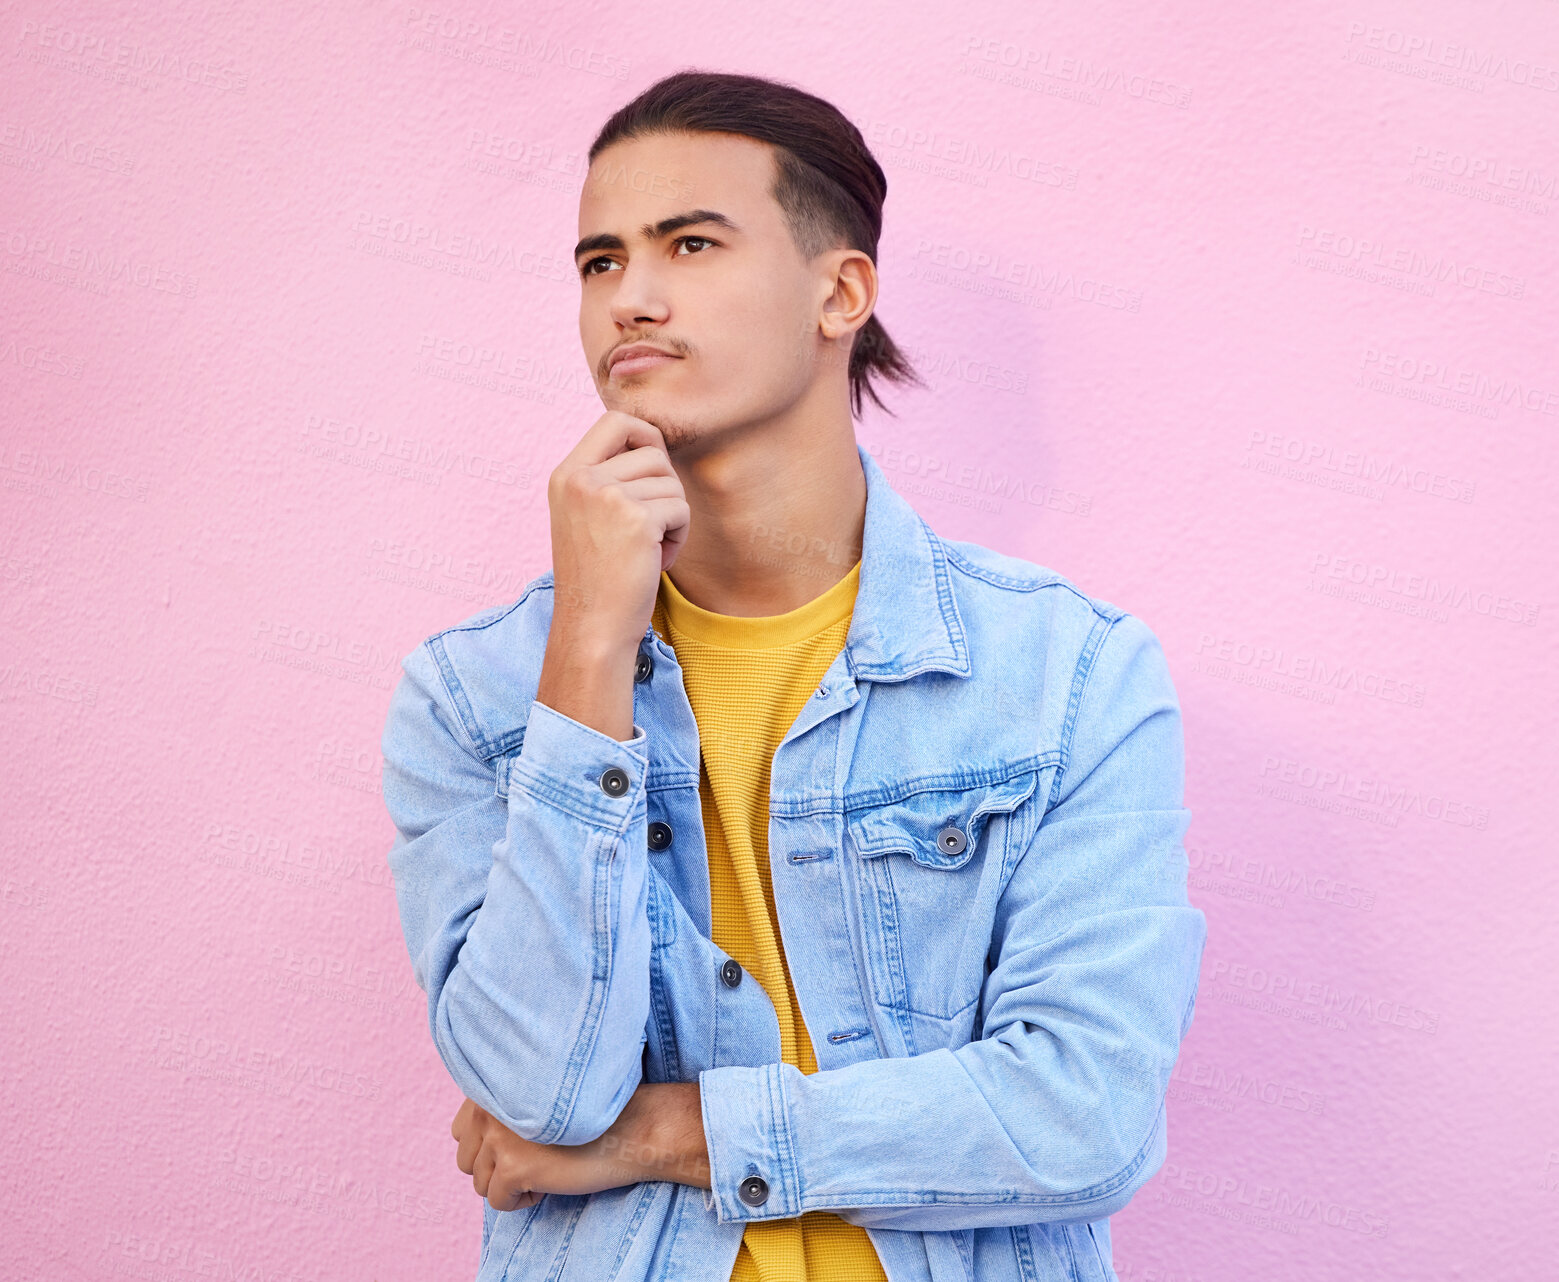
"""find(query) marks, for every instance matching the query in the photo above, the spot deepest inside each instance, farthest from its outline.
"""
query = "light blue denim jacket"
(976, 839)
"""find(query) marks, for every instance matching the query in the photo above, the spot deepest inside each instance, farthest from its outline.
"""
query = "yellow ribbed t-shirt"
(747, 679)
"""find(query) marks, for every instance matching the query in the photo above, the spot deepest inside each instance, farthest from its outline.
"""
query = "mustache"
(673, 345)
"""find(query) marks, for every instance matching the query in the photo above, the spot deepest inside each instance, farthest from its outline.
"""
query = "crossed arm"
(1054, 1113)
(658, 1136)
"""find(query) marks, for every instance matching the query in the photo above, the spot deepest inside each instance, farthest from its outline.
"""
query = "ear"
(853, 293)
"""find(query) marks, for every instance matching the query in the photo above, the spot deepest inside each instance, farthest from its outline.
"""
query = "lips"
(638, 357)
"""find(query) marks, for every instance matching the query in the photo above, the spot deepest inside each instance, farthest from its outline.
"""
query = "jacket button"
(643, 668)
(732, 974)
(754, 1190)
(659, 835)
(614, 781)
(950, 841)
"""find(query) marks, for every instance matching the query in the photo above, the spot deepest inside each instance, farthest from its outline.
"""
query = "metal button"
(643, 668)
(950, 841)
(754, 1190)
(731, 973)
(659, 835)
(614, 781)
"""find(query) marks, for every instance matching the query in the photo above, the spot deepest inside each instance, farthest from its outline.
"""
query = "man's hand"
(619, 517)
(658, 1136)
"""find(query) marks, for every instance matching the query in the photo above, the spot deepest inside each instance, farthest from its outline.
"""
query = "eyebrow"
(654, 231)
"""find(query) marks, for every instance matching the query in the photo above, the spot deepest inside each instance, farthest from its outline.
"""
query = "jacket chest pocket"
(931, 865)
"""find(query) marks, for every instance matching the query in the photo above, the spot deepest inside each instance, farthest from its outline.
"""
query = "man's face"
(734, 301)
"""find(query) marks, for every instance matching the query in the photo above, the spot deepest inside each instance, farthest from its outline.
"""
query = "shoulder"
(1011, 588)
(1084, 640)
(497, 619)
(487, 666)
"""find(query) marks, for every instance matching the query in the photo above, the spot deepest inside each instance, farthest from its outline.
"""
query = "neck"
(776, 518)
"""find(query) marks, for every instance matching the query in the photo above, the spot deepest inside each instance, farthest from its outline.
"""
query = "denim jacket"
(976, 841)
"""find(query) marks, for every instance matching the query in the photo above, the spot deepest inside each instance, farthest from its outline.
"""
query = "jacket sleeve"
(1056, 1112)
(524, 917)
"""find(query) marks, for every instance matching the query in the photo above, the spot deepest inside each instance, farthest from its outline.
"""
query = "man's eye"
(587, 269)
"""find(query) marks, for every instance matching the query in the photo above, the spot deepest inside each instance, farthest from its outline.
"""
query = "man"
(798, 894)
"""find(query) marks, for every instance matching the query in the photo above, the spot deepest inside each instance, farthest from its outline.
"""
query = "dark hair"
(827, 182)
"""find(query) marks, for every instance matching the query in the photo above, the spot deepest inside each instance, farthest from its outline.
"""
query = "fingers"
(658, 486)
(631, 465)
(673, 515)
(504, 1198)
(482, 1171)
(463, 1117)
(470, 1138)
(612, 434)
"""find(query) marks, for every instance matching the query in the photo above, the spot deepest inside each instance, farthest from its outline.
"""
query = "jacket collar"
(906, 618)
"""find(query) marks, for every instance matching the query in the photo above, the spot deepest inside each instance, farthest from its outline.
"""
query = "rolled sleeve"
(524, 916)
(562, 760)
(747, 1130)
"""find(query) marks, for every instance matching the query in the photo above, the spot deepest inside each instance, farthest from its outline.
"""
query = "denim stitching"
(1071, 1255)
(947, 781)
(950, 620)
(498, 612)
(945, 598)
(457, 696)
(796, 1202)
(560, 1261)
(1029, 584)
(896, 1197)
(680, 1193)
(1105, 1271)
(1080, 675)
(892, 953)
(530, 1212)
(660, 1013)
(646, 1193)
(1023, 1248)
(860, 941)
(542, 785)
(584, 1044)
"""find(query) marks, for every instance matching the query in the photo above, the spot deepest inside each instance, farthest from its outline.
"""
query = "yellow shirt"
(747, 679)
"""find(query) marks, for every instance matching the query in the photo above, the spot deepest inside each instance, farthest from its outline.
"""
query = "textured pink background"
(255, 261)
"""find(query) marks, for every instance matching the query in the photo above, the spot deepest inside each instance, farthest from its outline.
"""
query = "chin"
(677, 432)
(679, 436)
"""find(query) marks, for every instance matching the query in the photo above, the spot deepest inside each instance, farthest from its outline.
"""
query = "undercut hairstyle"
(827, 182)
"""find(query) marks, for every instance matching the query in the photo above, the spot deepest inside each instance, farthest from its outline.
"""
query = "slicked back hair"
(827, 182)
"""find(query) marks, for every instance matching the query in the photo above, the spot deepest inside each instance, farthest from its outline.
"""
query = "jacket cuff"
(562, 761)
(752, 1160)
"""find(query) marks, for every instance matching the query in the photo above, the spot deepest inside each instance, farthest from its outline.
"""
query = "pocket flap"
(937, 827)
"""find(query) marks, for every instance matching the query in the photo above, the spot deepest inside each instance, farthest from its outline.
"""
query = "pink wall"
(1278, 374)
